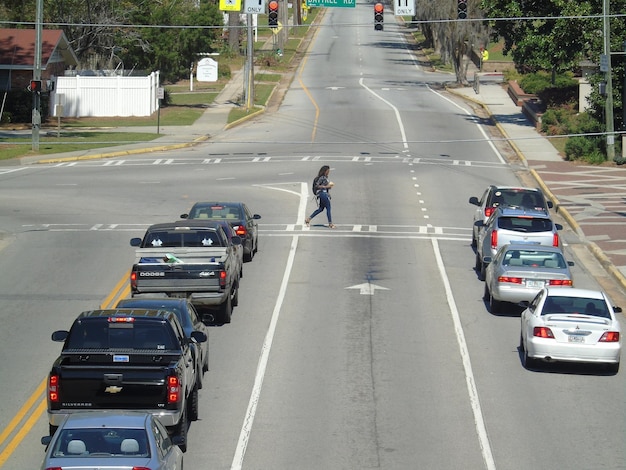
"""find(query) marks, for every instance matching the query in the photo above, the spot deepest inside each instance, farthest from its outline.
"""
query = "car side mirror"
(256, 216)
(558, 226)
(487, 259)
(135, 242)
(479, 223)
(617, 309)
(474, 200)
(60, 335)
(199, 336)
(550, 205)
(45, 440)
(570, 263)
(184, 216)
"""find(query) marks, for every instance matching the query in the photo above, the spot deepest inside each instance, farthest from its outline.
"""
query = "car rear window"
(525, 224)
(518, 198)
(101, 442)
(534, 258)
(592, 307)
(216, 211)
(100, 334)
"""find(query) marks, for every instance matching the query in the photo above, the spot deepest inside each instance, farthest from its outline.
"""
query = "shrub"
(539, 81)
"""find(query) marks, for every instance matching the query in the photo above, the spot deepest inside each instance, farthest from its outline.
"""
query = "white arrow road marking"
(367, 288)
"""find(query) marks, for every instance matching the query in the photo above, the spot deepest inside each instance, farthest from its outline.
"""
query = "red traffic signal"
(378, 16)
(272, 19)
(35, 85)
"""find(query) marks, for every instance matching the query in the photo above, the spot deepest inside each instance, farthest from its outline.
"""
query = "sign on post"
(254, 7)
(207, 70)
(404, 7)
(230, 5)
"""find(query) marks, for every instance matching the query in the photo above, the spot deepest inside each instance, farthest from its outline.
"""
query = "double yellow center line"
(35, 406)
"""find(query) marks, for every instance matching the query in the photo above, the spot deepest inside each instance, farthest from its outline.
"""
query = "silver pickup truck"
(189, 259)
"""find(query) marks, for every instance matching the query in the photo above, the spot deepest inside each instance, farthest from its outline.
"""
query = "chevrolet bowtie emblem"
(113, 389)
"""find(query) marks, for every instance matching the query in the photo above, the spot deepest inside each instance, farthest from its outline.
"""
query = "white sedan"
(572, 325)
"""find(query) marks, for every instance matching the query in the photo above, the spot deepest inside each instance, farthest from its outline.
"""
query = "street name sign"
(332, 3)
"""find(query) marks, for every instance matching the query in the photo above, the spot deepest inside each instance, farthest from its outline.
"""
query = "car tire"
(193, 404)
(199, 377)
(247, 257)
(205, 364)
(235, 300)
(482, 272)
(181, 430)
(495, 306)
(478, 263)
(486, 293)
(527, 362)
(226, 309)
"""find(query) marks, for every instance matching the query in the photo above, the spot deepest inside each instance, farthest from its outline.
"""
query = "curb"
(562, 211)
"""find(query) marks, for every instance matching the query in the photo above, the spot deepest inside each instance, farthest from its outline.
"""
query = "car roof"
(106, 418)
(128, 312)
(575, 292)
(506, 211)
(186, 223)
(217, 203)
(515, 188)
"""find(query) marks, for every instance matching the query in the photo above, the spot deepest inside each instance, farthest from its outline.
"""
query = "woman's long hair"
(323, 170)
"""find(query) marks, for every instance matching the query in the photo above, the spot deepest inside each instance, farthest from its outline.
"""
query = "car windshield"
(575, 305)
(517, 198)
(101, 442)
(525, 224)
(534, 258)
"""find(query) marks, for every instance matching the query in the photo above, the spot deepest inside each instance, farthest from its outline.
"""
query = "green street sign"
(332, 3)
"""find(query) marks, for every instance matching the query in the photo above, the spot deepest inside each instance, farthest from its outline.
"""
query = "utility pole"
(37, 78)
(249, 79)
(610, 137)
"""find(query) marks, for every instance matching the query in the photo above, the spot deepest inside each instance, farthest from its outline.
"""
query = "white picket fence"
(117, 96)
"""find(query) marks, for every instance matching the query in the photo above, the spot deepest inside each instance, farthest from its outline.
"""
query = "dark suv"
(237, 215)
(510, 196)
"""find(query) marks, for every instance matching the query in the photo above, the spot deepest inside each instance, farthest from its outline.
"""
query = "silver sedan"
(116, 440)
(572, 325)
(518, 271)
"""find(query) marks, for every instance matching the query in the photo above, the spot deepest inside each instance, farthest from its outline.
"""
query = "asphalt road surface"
(367, 346)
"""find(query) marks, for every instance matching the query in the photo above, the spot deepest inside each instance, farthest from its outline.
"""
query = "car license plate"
(538, 284)
(575, 339)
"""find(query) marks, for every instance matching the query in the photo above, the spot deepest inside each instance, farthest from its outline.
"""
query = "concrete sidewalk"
(591, 198)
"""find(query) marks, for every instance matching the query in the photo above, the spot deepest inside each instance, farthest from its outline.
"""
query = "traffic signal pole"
(37, 78)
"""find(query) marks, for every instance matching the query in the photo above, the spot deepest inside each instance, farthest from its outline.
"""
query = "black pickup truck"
(126, 359)
(189, 259)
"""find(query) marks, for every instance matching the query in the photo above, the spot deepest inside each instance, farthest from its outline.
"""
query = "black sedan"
(187, 316)
(237, 215)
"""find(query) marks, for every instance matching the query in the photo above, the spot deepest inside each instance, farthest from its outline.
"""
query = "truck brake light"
(133, 279)
(121, 319)
(222, 279)
(173, 389)
(53, 389)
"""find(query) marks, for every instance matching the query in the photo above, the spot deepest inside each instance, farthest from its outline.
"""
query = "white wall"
(87, 96)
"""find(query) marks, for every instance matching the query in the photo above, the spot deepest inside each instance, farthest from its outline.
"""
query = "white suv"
(507, 225)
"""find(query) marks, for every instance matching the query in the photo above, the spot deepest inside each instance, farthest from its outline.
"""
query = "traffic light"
(378, 16)
(272, 20)
(461, 7)
(35, 85)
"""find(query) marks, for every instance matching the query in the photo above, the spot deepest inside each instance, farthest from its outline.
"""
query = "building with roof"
(17, 56)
